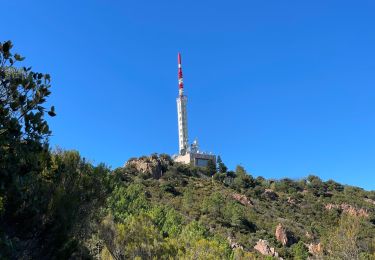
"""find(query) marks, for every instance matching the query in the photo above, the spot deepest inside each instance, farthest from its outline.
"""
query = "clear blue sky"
(285, 88)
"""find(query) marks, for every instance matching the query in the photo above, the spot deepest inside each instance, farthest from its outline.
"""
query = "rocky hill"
(153, 208)
(256, 217)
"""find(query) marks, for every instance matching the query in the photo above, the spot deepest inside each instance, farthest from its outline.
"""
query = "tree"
(288, 186)
(199, 244)
(240, 170)
(343, 242)
(233, 214)
(242, 180)
(221, 166)
(315, 185)
(137, 238)
(194, 231)
(168, 220)
(211, 167)
(23, 128)
(213, 205)
(126, 201)
(24, 132)
(22, 95)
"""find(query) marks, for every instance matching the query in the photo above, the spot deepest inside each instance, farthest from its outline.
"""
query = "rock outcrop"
(348, 209)
(281, 234)
(153, 165)
(315, 249)
(284, 236)
(264, 248)
(242, 199)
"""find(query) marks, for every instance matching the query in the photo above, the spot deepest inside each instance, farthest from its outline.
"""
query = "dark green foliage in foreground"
(23, 135)
(44, 196)
(56, 205)
(300, 251)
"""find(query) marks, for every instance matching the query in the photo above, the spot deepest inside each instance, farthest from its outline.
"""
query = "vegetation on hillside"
(56, 205)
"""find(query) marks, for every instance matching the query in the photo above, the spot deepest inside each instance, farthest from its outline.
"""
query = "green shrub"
(300, 251)
(126, 201)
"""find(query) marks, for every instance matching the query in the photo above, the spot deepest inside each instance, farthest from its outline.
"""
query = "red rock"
(242, 199)
(349, 209)
(315, 249)
(281, 234)
(264, 248)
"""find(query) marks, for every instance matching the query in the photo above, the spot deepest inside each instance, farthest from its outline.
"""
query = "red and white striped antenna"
(180, 77)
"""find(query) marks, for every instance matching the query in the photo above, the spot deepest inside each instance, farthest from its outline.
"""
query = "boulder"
(281, 234)
(264, 248)
(315, 249)
(242, 199)
(153, 165)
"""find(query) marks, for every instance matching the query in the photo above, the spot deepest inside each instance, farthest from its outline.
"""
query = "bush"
(169, 188)
(126, 201)
(168, 220)
(343, 241)
(213, 205)
(288, 186)
(210, 169)
(219, 177)
(300, 251)
(315, 185)
(138, 237)
(334, 186)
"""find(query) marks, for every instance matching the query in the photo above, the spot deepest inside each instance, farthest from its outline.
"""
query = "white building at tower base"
(195, 157)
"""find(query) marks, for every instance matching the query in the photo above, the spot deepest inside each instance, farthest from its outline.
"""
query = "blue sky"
(284, 88)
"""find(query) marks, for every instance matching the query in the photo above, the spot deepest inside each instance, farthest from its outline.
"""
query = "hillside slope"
(284, 218)
(153, 208)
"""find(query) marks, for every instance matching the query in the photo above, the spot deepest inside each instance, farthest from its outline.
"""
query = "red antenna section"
(180, 77)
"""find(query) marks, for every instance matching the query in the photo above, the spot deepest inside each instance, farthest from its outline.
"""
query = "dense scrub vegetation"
(56, 205)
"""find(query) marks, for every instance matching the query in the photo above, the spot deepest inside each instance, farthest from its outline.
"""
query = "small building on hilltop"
(188, 154)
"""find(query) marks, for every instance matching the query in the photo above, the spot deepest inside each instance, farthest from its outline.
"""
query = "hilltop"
(244, 217)
(156, 208)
